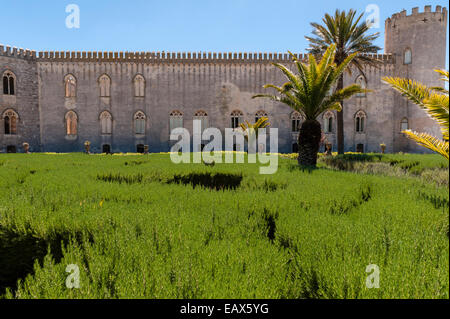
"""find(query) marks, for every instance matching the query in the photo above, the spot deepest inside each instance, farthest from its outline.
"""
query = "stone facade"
(215, 83)
(25, 101)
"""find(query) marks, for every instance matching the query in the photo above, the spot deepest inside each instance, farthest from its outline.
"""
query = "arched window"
(296, 121)
(404, 125)
(70, 84)
(203, 117)
(328, 122)
(105, 86)
(259, 115)
(176, 120)
(9, 83)
(408, 56)
(71, 123)
(139, 86)
(139, 123)
(10, 119)
(360, 122)
(361, 81)
(106, 123)
(236, 118)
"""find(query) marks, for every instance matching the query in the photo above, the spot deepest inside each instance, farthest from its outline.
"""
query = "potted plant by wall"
(383, 148)
(146, 149)
(328, 149)
(87, 147)
(26, 148)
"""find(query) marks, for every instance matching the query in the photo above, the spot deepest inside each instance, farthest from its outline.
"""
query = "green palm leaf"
(307, 91)
(412, 90)
(250, 129)
(430, 142)
(435, 102)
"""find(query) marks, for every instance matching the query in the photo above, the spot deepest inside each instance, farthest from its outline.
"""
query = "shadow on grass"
(218, 181)
(19, 253)
(302, 168)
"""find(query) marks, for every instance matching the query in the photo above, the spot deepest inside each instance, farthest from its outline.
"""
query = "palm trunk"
(340, 119)
(308, 142)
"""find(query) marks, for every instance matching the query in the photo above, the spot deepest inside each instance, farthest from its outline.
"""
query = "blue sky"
(178, 25)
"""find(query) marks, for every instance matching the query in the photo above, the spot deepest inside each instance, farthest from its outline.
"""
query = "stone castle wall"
(216, 86)
(216, 83)
(188, 85)
(23, 64)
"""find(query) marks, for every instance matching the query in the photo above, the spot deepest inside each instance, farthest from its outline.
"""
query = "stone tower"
(418, 43)
(21, 65)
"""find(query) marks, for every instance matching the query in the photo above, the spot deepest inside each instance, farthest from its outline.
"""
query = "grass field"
(142, 227)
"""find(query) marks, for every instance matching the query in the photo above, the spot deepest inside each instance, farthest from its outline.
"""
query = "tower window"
(10, 119)
(106, 123)
(175, 120)
(360, 119)
(139, 86)
(105, 86)
(260, 114)
(296, 121)
(404, 125)
(70, 84)
(236, 118)
(361, 81)
(9, 81)
(408, 56)
(202, 116)
(139, 123)
(328, 119)
(71, 123)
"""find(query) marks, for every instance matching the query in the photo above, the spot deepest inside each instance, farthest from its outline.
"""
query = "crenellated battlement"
(176, 57)
(17, 52)
(158, 57)
(415, 13)
(430, 25)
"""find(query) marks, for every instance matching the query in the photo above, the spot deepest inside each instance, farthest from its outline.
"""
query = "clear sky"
(178, 25)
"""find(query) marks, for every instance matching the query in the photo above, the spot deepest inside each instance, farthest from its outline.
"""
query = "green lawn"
(143, 227)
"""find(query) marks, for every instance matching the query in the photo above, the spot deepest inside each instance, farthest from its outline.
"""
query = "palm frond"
(430, 142)
(434, 103)
(439, 89)
(250, 129)
(345, 93)
(444, 73)
(343, 66)
(414, 91)
(350, 35)
(437, 107)
(288, 73)
(308, 91)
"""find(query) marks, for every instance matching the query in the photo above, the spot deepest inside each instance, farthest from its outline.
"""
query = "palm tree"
(263, 122)
(308, 93)
(349, 35)
(435, 102)
(251, 130)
